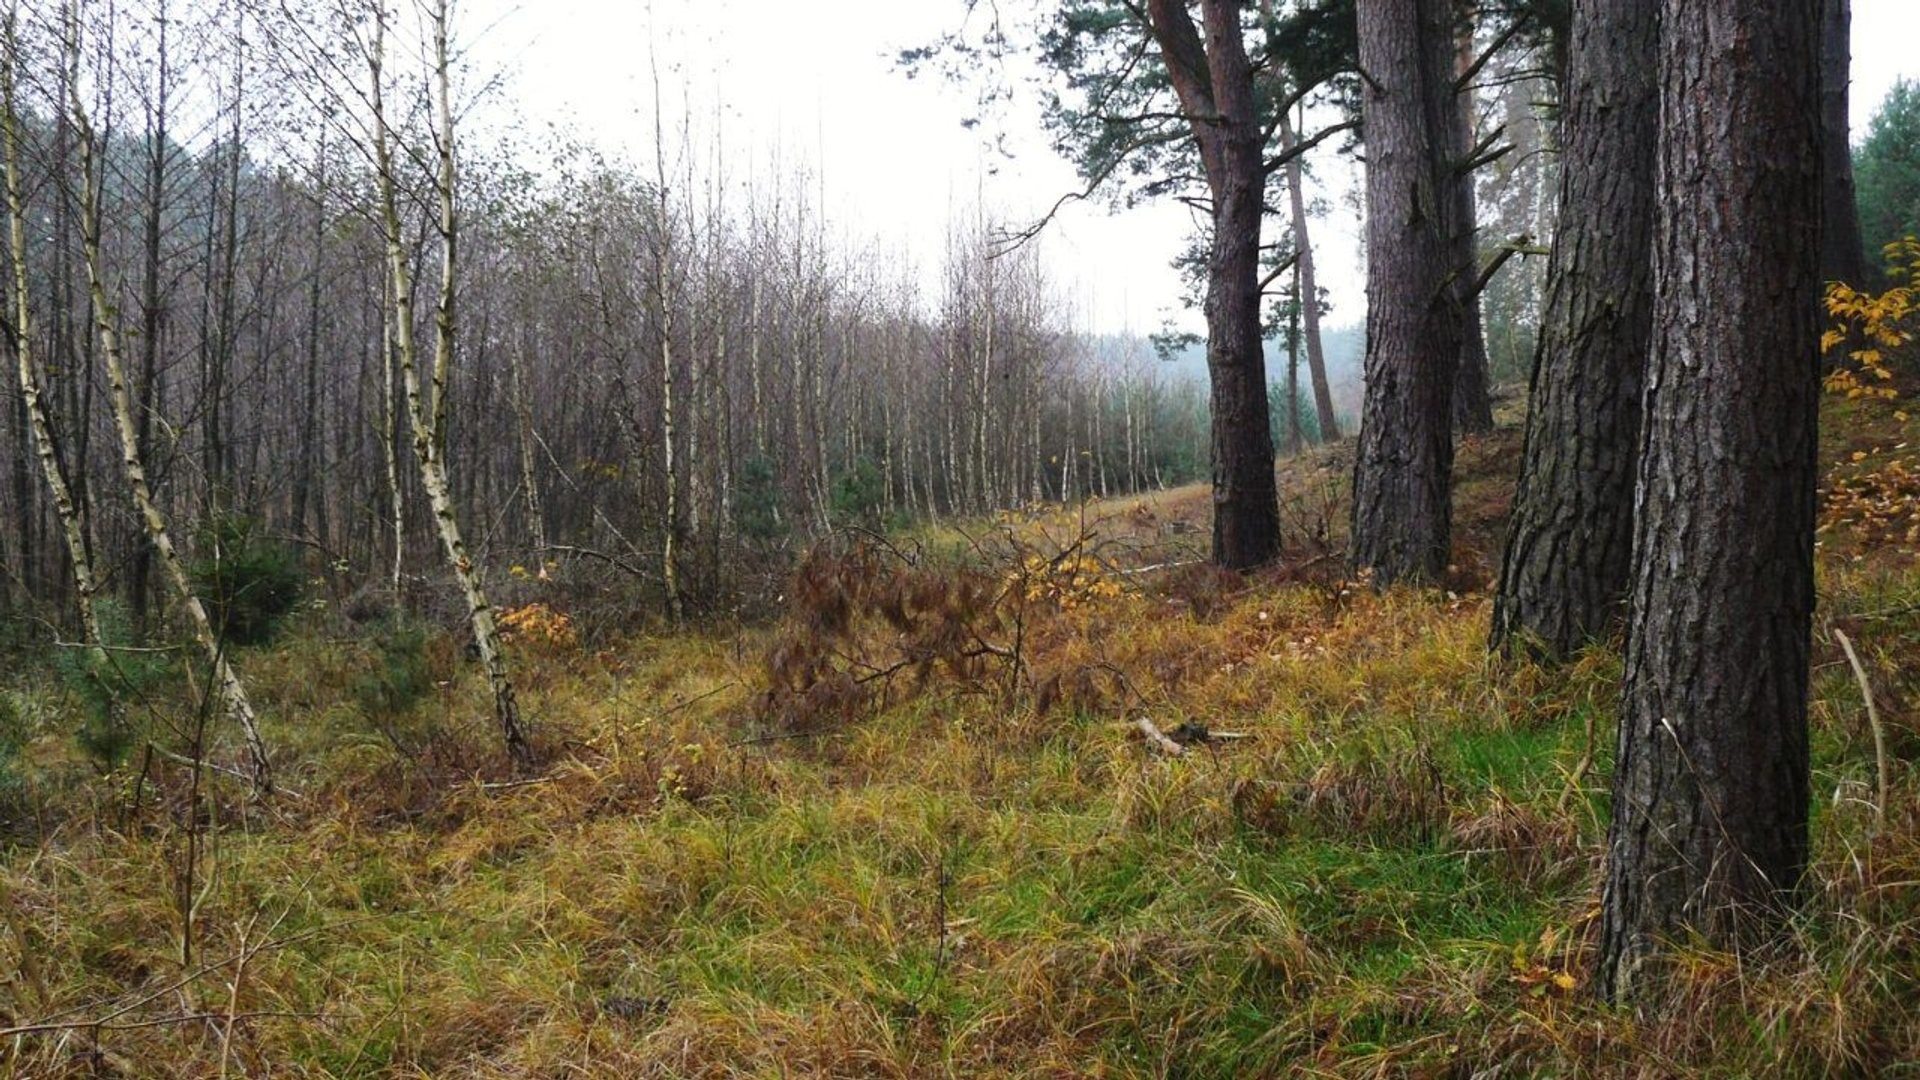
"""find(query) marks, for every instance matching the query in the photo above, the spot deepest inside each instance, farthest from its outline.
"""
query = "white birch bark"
(427, 406)
(85, 584)
(227, 684)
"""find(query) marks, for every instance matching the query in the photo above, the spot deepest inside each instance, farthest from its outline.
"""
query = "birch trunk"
(426, 407)
(390, 439)
(529, 477)
(233, 693)
(669, 555)
(44, 449)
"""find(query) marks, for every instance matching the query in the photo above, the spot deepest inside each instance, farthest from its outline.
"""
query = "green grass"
(1393, 872)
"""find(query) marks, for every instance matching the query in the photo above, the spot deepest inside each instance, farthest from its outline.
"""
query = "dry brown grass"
(976, 871)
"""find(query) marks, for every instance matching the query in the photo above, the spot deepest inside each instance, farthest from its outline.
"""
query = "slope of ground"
(915, 830)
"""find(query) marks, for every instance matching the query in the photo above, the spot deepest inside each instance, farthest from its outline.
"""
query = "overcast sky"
(816, 83)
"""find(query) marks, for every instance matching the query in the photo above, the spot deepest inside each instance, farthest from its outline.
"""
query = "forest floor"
(913, 829)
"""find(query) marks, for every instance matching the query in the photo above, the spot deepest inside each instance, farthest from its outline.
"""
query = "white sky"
(816, 82)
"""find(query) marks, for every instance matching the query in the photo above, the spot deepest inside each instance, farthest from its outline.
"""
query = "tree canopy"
(1887, 170)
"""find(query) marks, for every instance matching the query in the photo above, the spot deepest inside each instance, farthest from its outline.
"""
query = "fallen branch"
(161, 1021)
(1159, 566)
(697, 699)
(1873, 721)
(224, 770)
(506, 785)
(614, 561)
(110, 1021)
(1158, 739)
(784, 736)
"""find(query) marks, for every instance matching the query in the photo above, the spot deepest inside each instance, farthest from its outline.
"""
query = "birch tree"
(226, 680)
(426, 400)
(32, 399)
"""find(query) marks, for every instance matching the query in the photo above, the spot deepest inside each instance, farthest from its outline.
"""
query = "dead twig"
(1158, 739)
(506, 785)
(159, 1021)
(1881, 767)
(224, 770)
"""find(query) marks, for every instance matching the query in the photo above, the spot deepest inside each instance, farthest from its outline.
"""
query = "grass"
(1392, 873)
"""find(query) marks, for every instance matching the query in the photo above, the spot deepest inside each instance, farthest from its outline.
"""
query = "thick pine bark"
(1563, 580)
(1472, 400)
(1214, 80)
(1404, 465)
(1710, 793)
(1841, 255)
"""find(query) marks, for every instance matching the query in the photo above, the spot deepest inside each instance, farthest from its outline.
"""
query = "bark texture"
(1214, 80)
(1563, 579)
(66, 507)
(426, 407)
(1403, 468)
(1472, 399)
(226, 682)
(1841, 255)
(1710, 794)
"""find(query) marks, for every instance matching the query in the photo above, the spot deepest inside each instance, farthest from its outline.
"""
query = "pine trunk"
(1214, 80)
(1563, 580)
(1295, 441)
(1711, 789)
(1472, 400)
(1841, 255)
(1403, 468)
(1309, 288)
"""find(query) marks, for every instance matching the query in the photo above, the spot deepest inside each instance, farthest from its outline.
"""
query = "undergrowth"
(913, 829)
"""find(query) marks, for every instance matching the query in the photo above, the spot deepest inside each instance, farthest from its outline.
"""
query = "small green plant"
(859, 494)
(250, 583)
(756, 502)
(400, 675)
(108, 685)
(13, 739)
